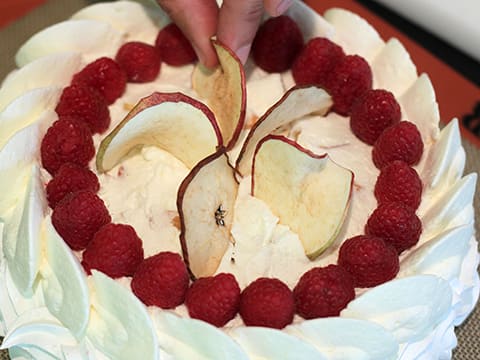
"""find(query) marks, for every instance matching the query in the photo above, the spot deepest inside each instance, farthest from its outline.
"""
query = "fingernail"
(243, 52)
(283, 6)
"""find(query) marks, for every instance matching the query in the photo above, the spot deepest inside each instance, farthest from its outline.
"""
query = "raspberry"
(369, 260)
(78, 217)
(316, 61)
(104, 75)
(175, 49)
(399, 182)
(372, 113)
(161, 280)
(267, 302)
(214, 299)
(349, 79)
(323, 292)
(140, 61)
(66, 141)
(85, 104)
(277, 43)
(115, 250)
(396, 224)
(401, 141)
(69, 179)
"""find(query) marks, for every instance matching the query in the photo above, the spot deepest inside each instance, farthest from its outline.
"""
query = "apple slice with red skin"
(297, 102)
(224, 90)
(205, 203)
(308, 192)
(174, 122)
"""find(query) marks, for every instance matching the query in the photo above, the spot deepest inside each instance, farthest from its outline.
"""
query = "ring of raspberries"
(365, 260)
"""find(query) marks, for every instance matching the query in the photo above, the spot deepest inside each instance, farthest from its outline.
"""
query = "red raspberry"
(267, 302)
(401, 141)
(175, 48)
(78, 217)
(140, 61)
(104, 75)
(399, 182)
(115, 250)
(85, 104)
(372, 113)
(214, 299)
(396, 223)
(277, 43)
(316, 61)
(161, 280)
(369, 260)
(66, 141)
(349, 79)
(323, 292)
(69, 179)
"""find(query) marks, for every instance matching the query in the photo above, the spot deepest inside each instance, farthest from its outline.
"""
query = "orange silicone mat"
(10, 10)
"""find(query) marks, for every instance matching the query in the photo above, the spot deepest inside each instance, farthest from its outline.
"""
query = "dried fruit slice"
(296, 103)
(174, 122)
(205, 204)
(308, 192)
(224, 89)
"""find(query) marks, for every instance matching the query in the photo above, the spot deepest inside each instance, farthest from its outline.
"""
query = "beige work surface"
(54, 11)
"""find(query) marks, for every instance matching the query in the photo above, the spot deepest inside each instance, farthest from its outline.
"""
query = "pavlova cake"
(305, 206)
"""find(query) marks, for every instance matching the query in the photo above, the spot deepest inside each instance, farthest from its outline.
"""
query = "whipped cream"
(55, 311)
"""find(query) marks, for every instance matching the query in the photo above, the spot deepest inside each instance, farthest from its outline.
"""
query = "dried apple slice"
(174, 122)
(205, 204)
(295, 104)
(224, 90)
(308, 192)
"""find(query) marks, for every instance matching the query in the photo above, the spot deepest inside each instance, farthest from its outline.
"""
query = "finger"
(277, 7)
(198, 21)
(237, 24)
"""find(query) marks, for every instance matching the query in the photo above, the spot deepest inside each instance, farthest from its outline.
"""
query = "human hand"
(234, 24)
